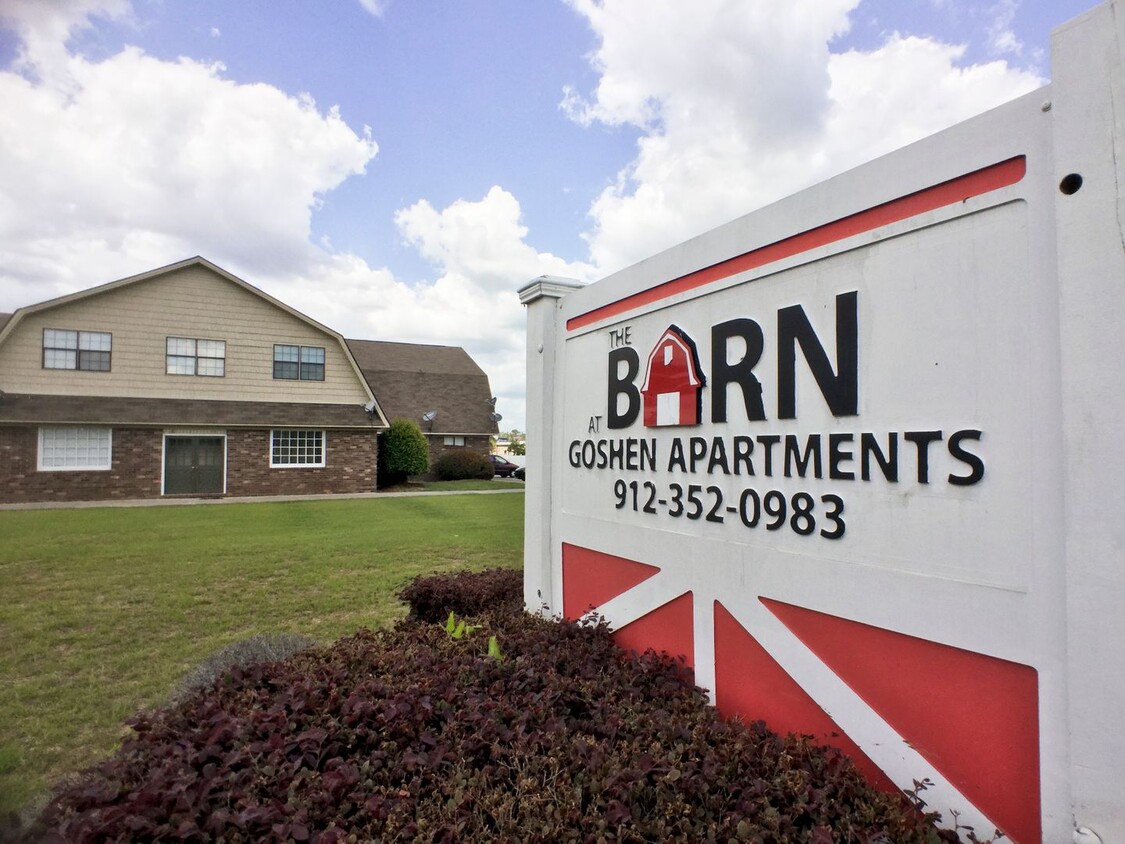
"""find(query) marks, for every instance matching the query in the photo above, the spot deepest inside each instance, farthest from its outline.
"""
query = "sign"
(855, 457)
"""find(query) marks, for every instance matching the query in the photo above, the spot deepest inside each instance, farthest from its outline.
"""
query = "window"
(296, 448)
(454, 440)
(70, 449)
(88, 350)
(293, 363)
(196, 357)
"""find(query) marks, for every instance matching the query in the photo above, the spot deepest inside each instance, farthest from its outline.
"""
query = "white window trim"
(78, 349)
(195, 357)
(323, 449)
(301, 349)
(96, 468)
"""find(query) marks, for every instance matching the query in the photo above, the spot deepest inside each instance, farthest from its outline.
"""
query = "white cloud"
(1001, 39)
(742, 104)
(375, 7)
(481, 251)
(111, 167)
(907, 89)
(480, 240)
(45, 28)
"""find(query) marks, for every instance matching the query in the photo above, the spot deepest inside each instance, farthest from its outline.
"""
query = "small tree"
(515, 442)
(405, 449)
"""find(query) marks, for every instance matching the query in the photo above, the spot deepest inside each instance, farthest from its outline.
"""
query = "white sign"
(851, 456)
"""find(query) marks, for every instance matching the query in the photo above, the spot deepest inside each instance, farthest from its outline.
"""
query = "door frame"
(190, 433)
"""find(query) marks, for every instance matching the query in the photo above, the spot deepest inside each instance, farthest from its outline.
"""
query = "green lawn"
(105, 609)
(462, 486)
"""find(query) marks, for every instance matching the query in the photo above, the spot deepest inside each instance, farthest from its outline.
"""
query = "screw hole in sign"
(1070, 184)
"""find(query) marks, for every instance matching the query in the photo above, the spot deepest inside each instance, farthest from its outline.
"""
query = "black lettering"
(837, 455)
(622, 385)
(741, 372)
(575, 453)
(840, 389)
(922, 440)
(975, 464)
(698, 447)
(718, 457)
(648, 454)
(743, 448)
(603, 459)
(793, 456)
(616, 454)
(631, 455)
(769, 441)
(835, 515)
(676, 456)
(588, 454)
(888, 463)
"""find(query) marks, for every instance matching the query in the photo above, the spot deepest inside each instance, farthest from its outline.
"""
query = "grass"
(463, 486)
(104, 610)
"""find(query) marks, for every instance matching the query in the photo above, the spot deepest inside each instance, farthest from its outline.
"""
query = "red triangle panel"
(974, 717)
(590, 578)
(749, 683)
(669, 629)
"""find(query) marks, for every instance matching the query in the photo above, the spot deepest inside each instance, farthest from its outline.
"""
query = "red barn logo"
(673, 386)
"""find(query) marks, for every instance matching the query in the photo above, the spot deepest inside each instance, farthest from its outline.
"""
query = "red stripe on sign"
(669, 629)
(590, 578)
(956, 190)
(750, 684)
(974, 717)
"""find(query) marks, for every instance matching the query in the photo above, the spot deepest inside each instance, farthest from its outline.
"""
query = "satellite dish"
(495, 417)
(429, 416)
(492, 401)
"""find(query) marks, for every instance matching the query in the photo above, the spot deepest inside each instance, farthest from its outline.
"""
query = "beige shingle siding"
(194, 302)
(409, 379)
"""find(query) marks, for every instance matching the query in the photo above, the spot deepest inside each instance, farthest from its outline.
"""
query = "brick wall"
(351, 459)
(135, 470)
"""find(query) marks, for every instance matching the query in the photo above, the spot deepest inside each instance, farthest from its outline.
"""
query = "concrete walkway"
(504, 486)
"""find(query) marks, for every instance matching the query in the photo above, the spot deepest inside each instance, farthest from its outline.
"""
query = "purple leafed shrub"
(412, 734)
(432, 598)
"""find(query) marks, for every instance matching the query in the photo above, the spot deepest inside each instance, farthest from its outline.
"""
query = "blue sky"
(398, 168)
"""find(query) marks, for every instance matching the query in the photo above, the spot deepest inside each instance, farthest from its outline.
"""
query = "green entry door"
(193, 466)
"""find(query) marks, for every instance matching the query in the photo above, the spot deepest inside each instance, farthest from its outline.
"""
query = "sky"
(398, 169)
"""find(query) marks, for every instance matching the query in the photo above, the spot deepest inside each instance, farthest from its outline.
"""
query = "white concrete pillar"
(541, 296)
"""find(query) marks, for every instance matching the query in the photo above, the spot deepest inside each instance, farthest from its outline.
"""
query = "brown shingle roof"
(100, 410)
(409, 379)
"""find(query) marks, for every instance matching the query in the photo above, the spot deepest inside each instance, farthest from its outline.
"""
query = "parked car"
(503, 468)
(519, 474)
